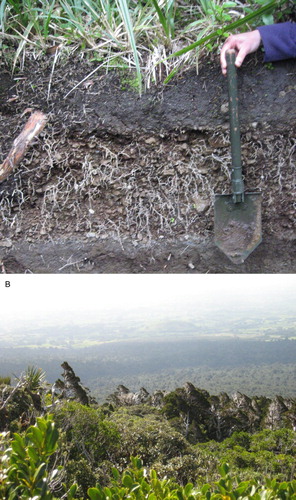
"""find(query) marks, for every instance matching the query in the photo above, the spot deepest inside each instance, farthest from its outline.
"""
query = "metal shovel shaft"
(236, 173)
(237, 215)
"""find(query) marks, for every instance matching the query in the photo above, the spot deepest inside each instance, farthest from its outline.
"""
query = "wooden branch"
(5, 403)
(32, 129)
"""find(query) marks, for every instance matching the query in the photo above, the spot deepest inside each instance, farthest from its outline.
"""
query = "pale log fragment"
(32, 129)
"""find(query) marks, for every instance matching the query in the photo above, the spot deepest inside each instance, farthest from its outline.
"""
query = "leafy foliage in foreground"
(83, 450)
(137, 483)
(26, 474)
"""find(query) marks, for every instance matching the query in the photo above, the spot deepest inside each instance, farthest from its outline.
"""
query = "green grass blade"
(217, 33)
(48, 19)
(2, 14)
(161, 18)
(125, 14)
(92, 10)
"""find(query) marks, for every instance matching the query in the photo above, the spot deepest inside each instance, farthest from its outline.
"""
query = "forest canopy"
(164, 445)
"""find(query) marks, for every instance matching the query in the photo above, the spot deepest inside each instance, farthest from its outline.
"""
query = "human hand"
(243, 44)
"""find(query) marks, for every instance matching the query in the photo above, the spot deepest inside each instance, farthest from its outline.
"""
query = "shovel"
(237, 215)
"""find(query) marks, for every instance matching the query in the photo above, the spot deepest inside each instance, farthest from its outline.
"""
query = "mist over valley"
(217, 341)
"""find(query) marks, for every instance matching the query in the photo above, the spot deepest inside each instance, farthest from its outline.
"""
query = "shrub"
(25, 472)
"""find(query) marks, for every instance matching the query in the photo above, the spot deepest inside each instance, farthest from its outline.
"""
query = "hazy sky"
(34, 296)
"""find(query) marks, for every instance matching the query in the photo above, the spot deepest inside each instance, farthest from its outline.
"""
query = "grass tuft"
(153, 38)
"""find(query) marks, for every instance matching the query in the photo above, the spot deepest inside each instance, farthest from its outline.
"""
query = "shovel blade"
(238, 225)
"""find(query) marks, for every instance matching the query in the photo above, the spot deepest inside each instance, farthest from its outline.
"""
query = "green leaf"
(115, 473)
(95, 494)
(127, 481)
(34, 456)
(188, 488)
(223, 470)
(72, 491)
(242, 487)
(42, 423)
(205, 488)
(268, 19)
(39, 473)
(35, 435)
(153, 474)
(18, 446)
(51, 438)
(139, 463)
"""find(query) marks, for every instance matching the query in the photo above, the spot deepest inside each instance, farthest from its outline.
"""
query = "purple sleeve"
(279, 41)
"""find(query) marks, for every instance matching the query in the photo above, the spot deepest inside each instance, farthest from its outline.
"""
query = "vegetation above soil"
(56, 442)
(122, 34)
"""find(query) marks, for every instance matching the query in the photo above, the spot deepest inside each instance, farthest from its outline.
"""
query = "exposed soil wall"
(122, 183)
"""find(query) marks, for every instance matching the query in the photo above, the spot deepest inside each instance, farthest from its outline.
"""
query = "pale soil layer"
(118, 183)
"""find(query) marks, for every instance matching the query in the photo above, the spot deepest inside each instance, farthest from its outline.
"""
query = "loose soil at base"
(118, 183)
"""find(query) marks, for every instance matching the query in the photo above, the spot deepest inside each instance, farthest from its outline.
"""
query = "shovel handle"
(236, 173)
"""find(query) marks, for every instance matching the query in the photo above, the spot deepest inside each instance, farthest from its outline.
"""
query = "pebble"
(200, 204)
(224, 108)
(182, 137)
(7, 243)
(150, 140)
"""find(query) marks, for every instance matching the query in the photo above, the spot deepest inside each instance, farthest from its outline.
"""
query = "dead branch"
(32, 129)
(4, 403)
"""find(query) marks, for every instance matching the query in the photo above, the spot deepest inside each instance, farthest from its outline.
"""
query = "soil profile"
(122, 183)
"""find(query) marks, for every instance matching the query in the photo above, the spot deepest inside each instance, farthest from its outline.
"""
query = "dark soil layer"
(126, 184)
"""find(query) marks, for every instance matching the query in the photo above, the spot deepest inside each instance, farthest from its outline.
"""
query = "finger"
(223, 62)
(230, 43)
(243, 52)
